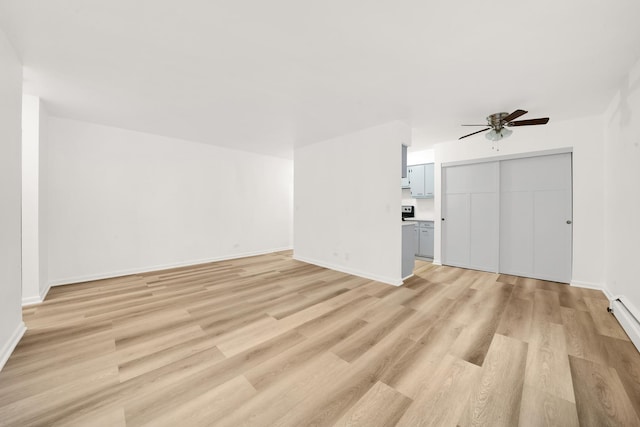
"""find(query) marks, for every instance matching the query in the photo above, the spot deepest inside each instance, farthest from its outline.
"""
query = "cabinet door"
(416, 240)
(416, 180)
(426, 242)
(408, 257)
(428, 180)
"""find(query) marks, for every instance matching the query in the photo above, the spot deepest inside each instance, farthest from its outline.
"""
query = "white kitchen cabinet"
(415, 174)
(408, 260)
(428, 180)
(421, 181)
(423, 237)
(426, 239)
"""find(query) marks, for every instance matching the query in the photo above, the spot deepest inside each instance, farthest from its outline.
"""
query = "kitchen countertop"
(421, 218)
(408, 223)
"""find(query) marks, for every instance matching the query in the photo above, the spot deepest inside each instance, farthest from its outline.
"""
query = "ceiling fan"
(498, 121)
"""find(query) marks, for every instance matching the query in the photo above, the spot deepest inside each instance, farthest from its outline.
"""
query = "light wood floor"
(272, 341)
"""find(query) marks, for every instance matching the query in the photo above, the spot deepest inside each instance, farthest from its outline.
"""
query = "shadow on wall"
(624, 110)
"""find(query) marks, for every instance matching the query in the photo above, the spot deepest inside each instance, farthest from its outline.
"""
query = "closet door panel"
(483, 240)
(455, 228)
(470, 210)
(552, 244)
(535, 205)
(516, 233)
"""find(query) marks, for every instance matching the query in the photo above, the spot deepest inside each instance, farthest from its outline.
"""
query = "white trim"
(10, 345)
(387, 280)
(127, 272)
(436, 262)
(591, 285)
(44, 292)
(31, 300)
(551, 152)
(37, 299)
(588, 285)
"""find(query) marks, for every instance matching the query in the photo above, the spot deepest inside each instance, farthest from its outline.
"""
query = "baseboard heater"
(628, 317)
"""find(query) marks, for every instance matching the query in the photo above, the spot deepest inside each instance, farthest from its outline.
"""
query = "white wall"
(347, 202)
(11, 326)
(585, 136)
(121, 201)
(34, 243)
(622, 198)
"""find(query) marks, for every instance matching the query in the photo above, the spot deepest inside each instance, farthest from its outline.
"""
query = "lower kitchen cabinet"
(408, 244)
(423, 239)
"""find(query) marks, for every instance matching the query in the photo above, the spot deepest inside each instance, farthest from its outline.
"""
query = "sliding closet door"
(535, 217)
(470, 216)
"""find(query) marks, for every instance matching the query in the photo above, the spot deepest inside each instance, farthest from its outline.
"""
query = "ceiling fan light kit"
(497, 135)
(498, 121)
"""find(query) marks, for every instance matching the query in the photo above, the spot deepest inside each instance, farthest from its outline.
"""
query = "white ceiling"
(266, 76)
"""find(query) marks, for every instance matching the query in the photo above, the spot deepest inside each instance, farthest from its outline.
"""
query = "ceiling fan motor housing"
(496, 120)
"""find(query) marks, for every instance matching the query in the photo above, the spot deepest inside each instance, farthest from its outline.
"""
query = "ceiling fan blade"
(475, 125)
(541, 121)
(514, 115)
(482, 130)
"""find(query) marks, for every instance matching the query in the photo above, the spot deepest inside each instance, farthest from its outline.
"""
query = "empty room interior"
(199, 220)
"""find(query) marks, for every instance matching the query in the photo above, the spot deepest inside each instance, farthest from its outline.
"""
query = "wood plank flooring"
(268, 340)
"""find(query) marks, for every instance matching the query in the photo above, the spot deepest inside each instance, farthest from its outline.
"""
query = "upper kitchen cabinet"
(421, 181)
(428, 180)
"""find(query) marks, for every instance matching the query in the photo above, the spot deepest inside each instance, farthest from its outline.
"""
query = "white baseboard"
(436, 261)
(31, 300)
(147, 269)
(10, 345)
(591, 285)
(588, 285)
(387, 280)
(44, 292)
(37, 299)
